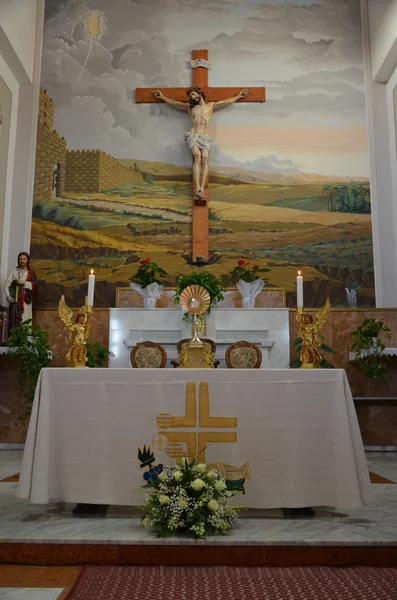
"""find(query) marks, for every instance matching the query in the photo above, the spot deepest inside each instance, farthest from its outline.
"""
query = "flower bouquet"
(188, 497)
(248, 281)
(146, 281)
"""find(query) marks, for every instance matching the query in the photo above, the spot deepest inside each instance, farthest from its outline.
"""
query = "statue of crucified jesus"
(198, 138)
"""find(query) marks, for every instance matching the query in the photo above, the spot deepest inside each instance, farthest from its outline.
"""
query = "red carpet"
(229, 583)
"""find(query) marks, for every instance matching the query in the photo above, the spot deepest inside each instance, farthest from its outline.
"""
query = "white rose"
(220, 486)
(164, 499)
(201, 468)
(178, 475)
(163, 476)
(212, 474)
(213, 505)
(228, 494)
(197, 484)
(182, 503)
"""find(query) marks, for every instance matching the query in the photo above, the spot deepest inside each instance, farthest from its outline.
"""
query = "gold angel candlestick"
(308, 330)
(78, 328)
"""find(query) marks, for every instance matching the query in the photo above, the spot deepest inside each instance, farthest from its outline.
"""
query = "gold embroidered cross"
(196, 443)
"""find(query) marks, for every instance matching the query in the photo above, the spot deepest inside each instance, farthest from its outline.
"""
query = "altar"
(266, 327)
(284, 437)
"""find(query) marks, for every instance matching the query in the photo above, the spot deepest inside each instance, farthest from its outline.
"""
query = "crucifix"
(202, 100)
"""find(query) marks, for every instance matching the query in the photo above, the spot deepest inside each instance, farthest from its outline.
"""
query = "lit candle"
(299, 290)
(91, 286)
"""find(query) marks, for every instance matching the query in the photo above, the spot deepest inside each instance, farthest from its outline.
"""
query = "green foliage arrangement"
(369, 348)
(212, 284)
(30, 354)
(245, 272)
(96, 355)
(188, 497)
(297, 344)
(148, 272)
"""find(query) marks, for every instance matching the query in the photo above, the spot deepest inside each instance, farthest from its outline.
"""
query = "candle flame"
(299, 273)
(92, 271)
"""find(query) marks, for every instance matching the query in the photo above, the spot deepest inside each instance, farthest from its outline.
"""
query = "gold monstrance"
(195, 300)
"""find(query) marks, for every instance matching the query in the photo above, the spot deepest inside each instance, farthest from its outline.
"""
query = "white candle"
(299, 290)
(91, 286)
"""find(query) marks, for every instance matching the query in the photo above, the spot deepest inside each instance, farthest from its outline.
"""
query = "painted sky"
(308, 55)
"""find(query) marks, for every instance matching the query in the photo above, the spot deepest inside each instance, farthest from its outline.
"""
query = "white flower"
(197, 484)
(177, 475)
(213, 505)
(185, 461)
(163, 476)
(182, 504)
(228, 494)
(220, 486)
(164, 499)
(213, 474)
(201, 468)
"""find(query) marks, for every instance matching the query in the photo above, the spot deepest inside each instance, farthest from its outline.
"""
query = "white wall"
(382, 38)
(379, 19)
(21, 33)
(18, 20)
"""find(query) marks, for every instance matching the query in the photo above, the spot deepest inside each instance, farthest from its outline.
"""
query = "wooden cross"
(200, 214)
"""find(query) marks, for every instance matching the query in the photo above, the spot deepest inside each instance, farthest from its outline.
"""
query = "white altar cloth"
(297, 429)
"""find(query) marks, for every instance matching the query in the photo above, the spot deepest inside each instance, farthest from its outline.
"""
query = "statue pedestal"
(266, 327)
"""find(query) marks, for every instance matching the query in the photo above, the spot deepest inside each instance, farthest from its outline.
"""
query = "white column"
(21, 33)
(379, 36)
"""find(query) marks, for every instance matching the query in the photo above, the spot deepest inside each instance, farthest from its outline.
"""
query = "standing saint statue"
(198, 138)
(19, 288)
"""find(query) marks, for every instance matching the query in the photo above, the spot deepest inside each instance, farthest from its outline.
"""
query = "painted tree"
(331, 191)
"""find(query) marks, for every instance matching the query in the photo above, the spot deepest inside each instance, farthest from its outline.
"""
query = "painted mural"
(288, 178)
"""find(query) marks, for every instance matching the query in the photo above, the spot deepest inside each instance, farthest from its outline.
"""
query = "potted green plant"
(30, 352)
(212, 284)
(248, 281)
(369, 348)
(147, 283)
(96, 355)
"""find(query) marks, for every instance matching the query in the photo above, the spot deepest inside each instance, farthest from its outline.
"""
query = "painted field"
(281, 226)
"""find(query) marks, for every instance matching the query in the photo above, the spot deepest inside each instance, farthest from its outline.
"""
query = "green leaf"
(326, 348)
(295, 364)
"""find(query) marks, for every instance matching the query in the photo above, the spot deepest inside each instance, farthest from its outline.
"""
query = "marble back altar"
(267, 327)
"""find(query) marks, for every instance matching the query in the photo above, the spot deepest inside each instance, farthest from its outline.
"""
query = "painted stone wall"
(94, 171)
(50, 151)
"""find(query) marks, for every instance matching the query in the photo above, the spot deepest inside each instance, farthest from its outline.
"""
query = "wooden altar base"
(61, 554)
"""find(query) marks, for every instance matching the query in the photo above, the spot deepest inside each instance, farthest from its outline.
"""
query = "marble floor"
(374, 524)
(20, 521)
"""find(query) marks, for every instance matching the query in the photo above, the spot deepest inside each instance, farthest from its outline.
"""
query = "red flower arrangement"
(245, 272)
(148, 272)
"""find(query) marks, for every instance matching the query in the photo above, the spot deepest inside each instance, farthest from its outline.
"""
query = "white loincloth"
(202, 140)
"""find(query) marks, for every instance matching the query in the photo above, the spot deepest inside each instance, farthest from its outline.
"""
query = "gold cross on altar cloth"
(200, 213)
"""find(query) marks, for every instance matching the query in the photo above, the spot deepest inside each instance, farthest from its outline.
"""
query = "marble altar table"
(266, 327)
(290, 437)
